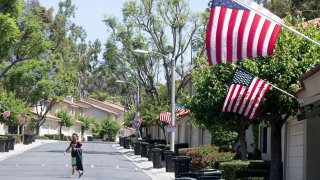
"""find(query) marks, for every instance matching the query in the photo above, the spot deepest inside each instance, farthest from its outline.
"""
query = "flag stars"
(242, 78)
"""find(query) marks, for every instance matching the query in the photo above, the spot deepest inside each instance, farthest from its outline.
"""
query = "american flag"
(235, 32)
(181, 111)
(136, 123)
(245, 94)
(165, 117)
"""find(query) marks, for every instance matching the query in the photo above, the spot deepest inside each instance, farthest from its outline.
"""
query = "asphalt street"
(47, 161)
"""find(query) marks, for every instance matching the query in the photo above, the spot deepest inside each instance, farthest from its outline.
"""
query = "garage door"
(295, 142)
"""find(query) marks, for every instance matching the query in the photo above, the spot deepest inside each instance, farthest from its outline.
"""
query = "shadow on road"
(85, 152)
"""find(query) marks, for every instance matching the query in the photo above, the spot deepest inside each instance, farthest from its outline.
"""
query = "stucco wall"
(2, 129)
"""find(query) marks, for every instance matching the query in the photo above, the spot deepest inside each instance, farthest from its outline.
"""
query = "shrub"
(18, 137)
(206, 157)
(56, 137)
(245, 169)
(67, 138)
(42, 137)
(50, 136)
(230, 168)
(247, 173)
(183, 151)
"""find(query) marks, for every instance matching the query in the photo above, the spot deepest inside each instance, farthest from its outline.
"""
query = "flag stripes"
(165, 117)
(245, 94)
(236, 33)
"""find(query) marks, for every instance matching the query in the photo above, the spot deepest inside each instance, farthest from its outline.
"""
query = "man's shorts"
(73, 160)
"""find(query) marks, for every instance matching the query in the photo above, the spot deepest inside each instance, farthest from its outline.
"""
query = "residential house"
(115, 110)
(300, 134)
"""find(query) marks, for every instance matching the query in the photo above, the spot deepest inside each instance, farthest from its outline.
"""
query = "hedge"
(245, 169)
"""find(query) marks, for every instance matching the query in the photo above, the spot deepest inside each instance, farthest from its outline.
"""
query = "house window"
(264, 139)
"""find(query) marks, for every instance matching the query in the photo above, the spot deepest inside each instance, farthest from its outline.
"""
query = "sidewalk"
(20, 148)
(145, 165)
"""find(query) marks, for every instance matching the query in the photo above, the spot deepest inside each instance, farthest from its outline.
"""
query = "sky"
(90, 13)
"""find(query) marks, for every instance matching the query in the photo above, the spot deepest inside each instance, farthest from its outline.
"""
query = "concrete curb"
(20, 148)
(145, 165)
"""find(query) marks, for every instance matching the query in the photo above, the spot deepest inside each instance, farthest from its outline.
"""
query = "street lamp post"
(136, 101)
(139, 51)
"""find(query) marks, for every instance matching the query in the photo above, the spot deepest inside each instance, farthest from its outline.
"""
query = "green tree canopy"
(293, 57)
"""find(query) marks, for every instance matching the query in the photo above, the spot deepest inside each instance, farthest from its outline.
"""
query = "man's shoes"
(80, 174)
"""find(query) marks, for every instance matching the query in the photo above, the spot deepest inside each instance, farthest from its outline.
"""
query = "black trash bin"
(209, 174)
(121, 141)
(150, 155)
(33, 138)
(156, 159)
(90, 138)
(143, 149)
(169, 163)
(162, 147)
(126, 142)
(61, 137)
(2, 144)
(12, 142)
(7, 148)
(181, 165)
(26, 139)
(137, 148)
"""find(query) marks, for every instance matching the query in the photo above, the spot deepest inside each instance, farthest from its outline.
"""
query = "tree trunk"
(276, 160)
(37, 129)
(243, 142)
(60, 131)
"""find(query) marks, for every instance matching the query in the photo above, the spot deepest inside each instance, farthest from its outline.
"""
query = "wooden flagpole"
(275, 21)
(275, 87)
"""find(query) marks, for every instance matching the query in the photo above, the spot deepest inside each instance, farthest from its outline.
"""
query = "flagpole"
(275, 21)
(273, 86)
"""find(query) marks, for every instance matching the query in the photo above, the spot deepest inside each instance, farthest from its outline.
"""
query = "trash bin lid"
(156, 149)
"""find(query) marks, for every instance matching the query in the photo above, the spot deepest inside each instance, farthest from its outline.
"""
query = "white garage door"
(295, 142)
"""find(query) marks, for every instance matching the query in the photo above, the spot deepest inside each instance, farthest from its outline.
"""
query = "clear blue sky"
(90, 13)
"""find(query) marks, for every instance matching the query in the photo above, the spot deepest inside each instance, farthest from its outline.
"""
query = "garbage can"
(156, 159)
(7, 148)
(149, 147)
(161, 146)
(33, 138)
(12, 142)
(126, 142)
(2, 144)
(181, 165)
(121, 141)
(143, 149)
(137, 148)
(169, 163)
(210, 174)
(90, 138)
(61, 137)
(26, 139)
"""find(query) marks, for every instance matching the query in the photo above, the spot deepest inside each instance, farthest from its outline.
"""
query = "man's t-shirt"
(74, 145)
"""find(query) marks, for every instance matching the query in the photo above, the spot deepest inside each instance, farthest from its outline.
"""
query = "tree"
(308, 9)
(66, 120)
(87, 122)
(109, 128)
(163, 26)
(211, 84)
(39, 83)
(25, 39)
(293, 57)
(9, 102)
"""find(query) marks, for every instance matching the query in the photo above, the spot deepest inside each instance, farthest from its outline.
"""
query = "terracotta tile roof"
(307, 75)
(53, 117)
(73, 103)
(105, 103)
(99, 107)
